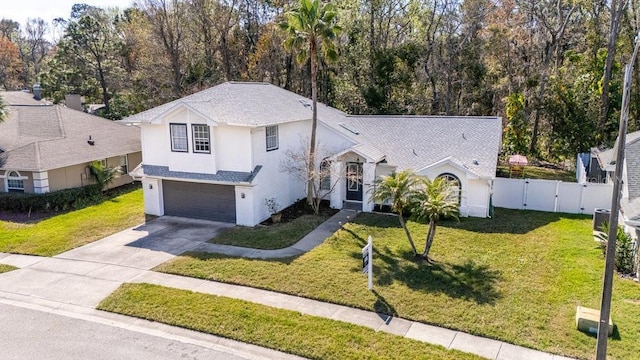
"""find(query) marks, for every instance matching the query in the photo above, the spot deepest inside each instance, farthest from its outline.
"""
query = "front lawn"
(274, 236)
(66, 231)
(284, 330)
(6, 268)
(517, 278)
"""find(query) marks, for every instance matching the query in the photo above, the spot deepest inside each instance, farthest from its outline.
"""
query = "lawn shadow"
(468, 281)
(510, 221)
(382, 306)
(504, 221)
(204, 256)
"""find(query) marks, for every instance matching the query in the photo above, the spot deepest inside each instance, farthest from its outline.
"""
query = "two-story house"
(218, 154)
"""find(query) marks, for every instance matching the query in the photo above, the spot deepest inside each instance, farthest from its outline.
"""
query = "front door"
(354, 181)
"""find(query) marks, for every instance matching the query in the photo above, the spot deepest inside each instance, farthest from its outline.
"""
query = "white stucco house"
(217, 154)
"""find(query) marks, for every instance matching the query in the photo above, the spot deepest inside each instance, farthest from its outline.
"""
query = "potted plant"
(273, 207)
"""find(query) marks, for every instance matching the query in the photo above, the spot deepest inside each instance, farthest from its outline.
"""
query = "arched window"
(325, 174)
(455, 182)
(15, 182)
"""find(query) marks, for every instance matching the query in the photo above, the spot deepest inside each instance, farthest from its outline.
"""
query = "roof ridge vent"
(349, 129)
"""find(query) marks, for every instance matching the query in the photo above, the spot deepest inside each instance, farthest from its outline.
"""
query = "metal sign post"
(367, 261)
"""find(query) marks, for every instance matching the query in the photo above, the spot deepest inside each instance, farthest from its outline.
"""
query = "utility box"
(600, 216)
(587, 320)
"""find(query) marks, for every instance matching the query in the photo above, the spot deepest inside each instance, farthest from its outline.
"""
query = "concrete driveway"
(86, 275)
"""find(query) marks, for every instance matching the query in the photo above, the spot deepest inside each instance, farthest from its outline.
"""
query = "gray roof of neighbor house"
(404, 141)
(239, 103)
(38, 136)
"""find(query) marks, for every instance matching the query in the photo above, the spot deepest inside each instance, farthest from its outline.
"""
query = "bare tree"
(34, 47)
(617, 10)
(169, 22)
(314, 169)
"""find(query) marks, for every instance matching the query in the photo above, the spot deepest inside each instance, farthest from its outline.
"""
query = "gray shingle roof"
(220, 176)
(251, 104)
(38, 137)
(404, 141)
(413, 142)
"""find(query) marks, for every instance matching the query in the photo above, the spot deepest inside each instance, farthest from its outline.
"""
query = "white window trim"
(7, 178)
(194, 138)
(186, 134)
(267, 136)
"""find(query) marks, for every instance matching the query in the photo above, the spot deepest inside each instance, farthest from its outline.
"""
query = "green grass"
(6, 268)
(276, 236)
(70, 230)
(517, 278)
(283, 330)
(536, 172)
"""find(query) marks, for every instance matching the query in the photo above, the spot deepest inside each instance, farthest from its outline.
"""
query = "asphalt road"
(29, 334)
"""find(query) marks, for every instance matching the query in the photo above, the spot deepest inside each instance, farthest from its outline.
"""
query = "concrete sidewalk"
(73, 283)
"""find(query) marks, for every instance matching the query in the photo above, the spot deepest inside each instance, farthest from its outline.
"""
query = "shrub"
(53, 201)
(625, 249)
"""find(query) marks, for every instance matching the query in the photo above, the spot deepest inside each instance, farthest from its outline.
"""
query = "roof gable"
(453, 162)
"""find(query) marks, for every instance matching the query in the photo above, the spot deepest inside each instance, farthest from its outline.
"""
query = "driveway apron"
(86, 275)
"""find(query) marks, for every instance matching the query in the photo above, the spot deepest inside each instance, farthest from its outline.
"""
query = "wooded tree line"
(540, 64)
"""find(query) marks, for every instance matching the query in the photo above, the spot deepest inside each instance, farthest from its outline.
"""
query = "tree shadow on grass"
(505, 221)
(469, 280)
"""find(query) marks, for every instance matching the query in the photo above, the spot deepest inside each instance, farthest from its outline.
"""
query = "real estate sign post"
(367, 261)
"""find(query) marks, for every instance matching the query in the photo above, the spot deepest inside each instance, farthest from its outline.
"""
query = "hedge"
(53, 201)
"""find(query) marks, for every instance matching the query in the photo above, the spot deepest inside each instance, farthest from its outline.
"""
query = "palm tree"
(435, 200)
(311, 29)
(397, 189)
(104, 175)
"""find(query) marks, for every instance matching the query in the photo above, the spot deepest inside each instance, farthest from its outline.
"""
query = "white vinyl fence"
(551, 195)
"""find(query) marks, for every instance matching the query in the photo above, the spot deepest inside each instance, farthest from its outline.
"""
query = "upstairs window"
(272, 137)
(201, 139)
(179, 140)
(15, 182)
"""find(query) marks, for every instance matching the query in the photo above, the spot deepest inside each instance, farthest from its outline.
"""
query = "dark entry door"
(354, 181)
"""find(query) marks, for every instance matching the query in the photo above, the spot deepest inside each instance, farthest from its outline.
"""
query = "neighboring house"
(604, 161)
(46, 147)
(217, 154)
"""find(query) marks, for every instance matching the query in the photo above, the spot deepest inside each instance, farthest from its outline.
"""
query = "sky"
(21, 10)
